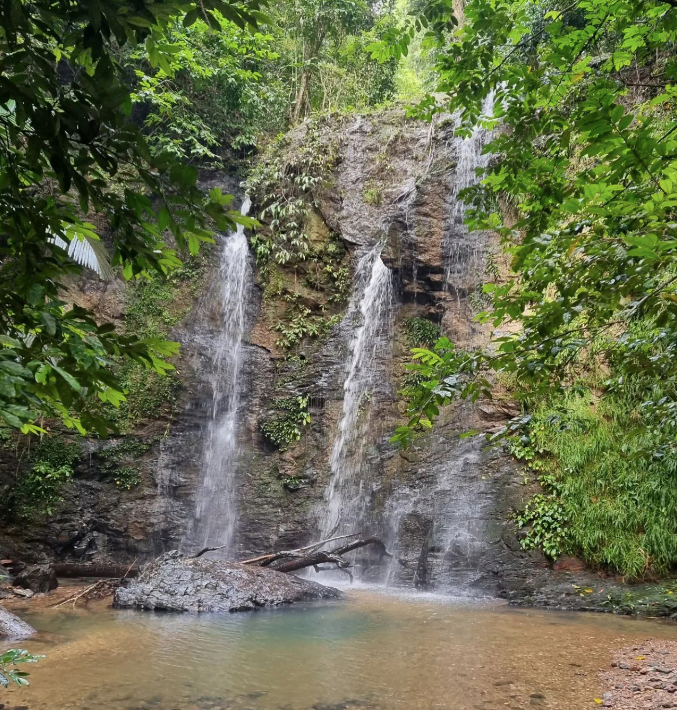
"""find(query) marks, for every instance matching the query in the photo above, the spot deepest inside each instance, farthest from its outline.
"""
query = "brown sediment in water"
(43, 602)
(642, 676)
(374, 651)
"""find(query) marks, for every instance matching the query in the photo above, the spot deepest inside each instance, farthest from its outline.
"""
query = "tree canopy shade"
(69, 152)
(586, 161)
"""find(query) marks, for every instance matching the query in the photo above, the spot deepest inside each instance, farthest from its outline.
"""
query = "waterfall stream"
(371, 311)
(448, 503)
(216, 508)
(464, 251)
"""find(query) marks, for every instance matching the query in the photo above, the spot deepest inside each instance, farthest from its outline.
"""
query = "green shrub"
(116, 461)
(420, 332)
(38, 490)
(602, 499)
(39, 486)
(286, 428)
(127, 477)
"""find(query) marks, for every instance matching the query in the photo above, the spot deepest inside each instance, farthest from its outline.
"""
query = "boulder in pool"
(177, 583)
(11, 627)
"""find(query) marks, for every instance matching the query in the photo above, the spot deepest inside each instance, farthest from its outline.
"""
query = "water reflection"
(371, 651)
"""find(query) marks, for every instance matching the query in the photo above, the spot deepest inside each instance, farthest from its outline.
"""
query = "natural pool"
(373, 650)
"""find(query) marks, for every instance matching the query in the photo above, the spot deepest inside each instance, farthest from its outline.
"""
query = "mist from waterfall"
(216, 505)
(370, 311)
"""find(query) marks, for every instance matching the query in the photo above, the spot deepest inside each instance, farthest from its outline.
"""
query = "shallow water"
(371, 651)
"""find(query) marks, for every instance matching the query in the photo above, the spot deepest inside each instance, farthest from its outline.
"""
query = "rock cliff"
(443, 506)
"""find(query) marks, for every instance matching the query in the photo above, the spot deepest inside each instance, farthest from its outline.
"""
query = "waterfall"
(216, 509)
(371, 310)
(439, 519)
(464, 251)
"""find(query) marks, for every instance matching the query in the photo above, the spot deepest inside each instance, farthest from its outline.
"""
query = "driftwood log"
(100, 570)
(314, 555)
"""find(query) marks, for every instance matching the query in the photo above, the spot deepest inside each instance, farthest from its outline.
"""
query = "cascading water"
(371, 309)
(215, 512)
(464, 251)
(441, 517)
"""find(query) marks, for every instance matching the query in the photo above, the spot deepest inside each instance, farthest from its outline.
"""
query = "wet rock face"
(177, 583)
(443, 507)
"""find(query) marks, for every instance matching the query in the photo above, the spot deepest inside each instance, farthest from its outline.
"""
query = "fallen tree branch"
(74, 598)
(205, 550)
(265, 560)
(104, 587)
(335, 556)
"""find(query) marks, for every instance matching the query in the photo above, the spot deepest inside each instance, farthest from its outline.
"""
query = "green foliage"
(286, 428)
(38, 491)
(304, 325)
(57, 451)
(153, 308)
(211, 94)
(39, 484)
(69, 150)
(293, 483)
(421, 331)
(621, 503)
(587, 161)
(127, 477)
(291, 241)
(547, 522)
(11, 658)
(372, 196)
(282, 185)
(325, 55)
(117, 461)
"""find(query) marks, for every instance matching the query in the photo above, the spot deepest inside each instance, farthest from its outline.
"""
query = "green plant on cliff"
(38, 491)
(285, 428)
(303, 264)
(120, 461)
(421, 331)
(282, 185)
(303, 324)
(48, 467)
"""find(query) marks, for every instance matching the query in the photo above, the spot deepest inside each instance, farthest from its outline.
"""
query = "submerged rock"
(12, 627)
(177, 583)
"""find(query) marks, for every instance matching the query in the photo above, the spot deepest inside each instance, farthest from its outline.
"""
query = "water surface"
(371, 651)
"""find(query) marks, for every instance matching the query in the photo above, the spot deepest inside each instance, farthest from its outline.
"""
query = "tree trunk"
(300, 97)
(75, 569)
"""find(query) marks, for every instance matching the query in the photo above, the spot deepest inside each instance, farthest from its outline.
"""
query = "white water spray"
(371, 306)
(216, 508)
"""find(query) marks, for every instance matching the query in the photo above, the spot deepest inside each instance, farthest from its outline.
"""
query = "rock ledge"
(177, 583)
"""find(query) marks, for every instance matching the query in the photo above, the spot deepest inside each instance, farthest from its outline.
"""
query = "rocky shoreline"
(642, 677)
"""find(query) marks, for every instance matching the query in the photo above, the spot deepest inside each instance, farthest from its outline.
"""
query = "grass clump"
(603, 498)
